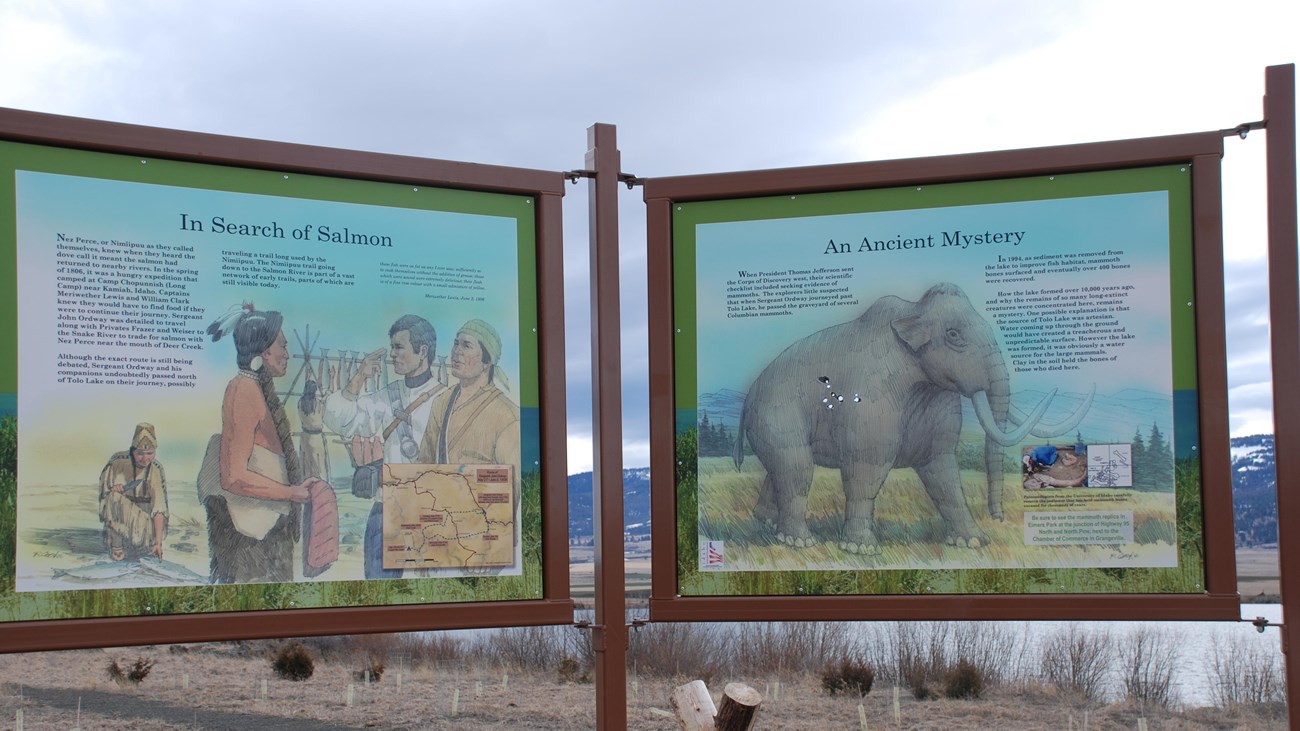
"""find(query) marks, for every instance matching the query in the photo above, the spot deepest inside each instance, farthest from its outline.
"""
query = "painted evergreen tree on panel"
(1139, 457)
(1160, 458)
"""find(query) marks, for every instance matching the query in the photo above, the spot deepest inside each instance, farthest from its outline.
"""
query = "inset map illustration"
(448, 516)
(1110, 465)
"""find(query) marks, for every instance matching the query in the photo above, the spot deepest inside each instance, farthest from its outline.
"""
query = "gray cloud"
(693, 88)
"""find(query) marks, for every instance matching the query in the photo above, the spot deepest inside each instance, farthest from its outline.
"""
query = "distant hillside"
(1254, 490)
(636, 502)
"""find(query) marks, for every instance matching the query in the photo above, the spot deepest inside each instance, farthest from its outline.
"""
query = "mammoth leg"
(787, 484)
(933, 428)
(781, 441)
(942, 480)
(767, 509)
(862, 483)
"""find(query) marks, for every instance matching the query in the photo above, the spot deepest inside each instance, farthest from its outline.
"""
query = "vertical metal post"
(609, 635)
(1284, 322)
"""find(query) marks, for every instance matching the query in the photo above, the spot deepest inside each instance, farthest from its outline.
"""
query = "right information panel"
(983, 387)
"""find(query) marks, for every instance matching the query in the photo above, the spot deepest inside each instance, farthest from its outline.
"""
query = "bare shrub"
(788, 647)
(374, 653)
(371, 672)
(572, 670)
(908, 653)
(675, 649)
(1077, 661)
(992, 649)
(528, 648)
(378, 648)
(392, 650)
(293, 661)
(132, 674)
(1148, 660)
(917, 679)
(963, 681)
(1243, 673)
(578, 644)
(850, 677)
(436, 649)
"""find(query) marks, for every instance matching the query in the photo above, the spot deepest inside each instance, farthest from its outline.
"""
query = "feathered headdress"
(225, 324)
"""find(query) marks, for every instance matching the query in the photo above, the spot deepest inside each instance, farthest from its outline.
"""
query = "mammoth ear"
(913, 330)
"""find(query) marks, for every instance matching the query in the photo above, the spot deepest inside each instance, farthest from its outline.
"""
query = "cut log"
(694, 707)
(739, 709)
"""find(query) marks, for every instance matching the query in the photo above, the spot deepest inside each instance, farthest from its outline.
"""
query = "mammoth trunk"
(999, 399)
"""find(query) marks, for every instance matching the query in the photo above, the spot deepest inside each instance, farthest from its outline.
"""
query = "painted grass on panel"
(912, 535)
(909, 527)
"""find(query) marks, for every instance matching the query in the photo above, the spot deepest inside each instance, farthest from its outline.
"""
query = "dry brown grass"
(802, 706)
(223, 677)
(226, 677)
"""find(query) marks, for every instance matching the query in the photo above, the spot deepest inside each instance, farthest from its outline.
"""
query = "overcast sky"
(692, 87)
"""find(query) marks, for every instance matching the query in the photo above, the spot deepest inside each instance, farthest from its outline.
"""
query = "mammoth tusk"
(1046, 431)
(984, 412)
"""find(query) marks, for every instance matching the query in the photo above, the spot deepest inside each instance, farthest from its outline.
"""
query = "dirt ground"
(217, 687)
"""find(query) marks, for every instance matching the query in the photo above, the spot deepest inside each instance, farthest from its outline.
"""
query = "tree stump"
(694, 707)
(739, 709)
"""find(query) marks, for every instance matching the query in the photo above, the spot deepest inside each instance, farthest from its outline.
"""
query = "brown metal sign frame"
(546, 190)
(1284, 336)
(1218, 601)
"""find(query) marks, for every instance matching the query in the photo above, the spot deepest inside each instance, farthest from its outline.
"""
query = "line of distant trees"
(715, 439)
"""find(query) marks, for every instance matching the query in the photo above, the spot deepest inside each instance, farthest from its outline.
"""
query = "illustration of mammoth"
(881, 392)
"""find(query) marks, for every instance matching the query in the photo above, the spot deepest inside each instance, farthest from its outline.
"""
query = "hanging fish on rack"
(327, 373)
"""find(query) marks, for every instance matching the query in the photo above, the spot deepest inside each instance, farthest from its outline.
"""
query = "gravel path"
(128, 707)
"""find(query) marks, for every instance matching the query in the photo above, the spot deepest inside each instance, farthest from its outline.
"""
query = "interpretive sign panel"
(984, 387)
(239, 389)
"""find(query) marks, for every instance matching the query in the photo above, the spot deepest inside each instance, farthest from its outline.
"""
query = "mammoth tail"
(738, 452)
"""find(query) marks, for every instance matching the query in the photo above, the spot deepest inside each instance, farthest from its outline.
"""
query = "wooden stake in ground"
(694, 707)
(739, 708)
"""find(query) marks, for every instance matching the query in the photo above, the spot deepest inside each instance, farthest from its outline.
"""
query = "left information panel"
(241, 389)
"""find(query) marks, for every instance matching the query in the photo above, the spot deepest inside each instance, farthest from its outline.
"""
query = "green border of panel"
(1187, 577)
(95, 603)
